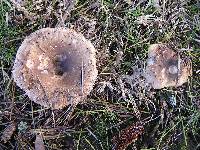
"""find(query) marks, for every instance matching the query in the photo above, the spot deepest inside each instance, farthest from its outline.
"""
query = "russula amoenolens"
(55, 67)
(165, 68)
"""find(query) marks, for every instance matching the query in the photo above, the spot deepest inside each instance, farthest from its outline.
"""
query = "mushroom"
(165, 68)
(55, 67)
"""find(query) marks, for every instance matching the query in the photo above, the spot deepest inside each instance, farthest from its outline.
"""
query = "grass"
(113, 27)
(7, 36)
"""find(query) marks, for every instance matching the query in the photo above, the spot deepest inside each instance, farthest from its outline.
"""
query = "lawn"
(120, 102)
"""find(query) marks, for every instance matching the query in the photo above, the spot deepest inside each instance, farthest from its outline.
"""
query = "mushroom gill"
(165, 68)
(55, 67)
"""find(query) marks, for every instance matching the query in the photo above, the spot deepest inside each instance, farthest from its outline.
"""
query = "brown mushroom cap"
(165, 68)
(55, 67)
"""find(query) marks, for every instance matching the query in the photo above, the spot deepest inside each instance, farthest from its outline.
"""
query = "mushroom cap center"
(173, 69)
(60, 65)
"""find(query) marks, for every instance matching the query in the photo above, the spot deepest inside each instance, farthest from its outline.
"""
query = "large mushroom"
(55, 67)
(165, 68)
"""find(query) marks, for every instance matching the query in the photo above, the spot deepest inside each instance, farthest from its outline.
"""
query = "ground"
(121, 31)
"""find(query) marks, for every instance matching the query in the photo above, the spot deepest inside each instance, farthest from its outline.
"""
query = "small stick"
(82, 76)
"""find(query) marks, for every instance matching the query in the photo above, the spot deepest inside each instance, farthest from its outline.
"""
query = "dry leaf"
(127, 136)
(39, 143)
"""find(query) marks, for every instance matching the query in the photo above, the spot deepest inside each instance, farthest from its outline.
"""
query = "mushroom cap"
(55, 67)
(165, 68)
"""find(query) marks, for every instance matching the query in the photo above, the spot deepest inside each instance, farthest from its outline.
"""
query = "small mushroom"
(55, 67)
(165, 68)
